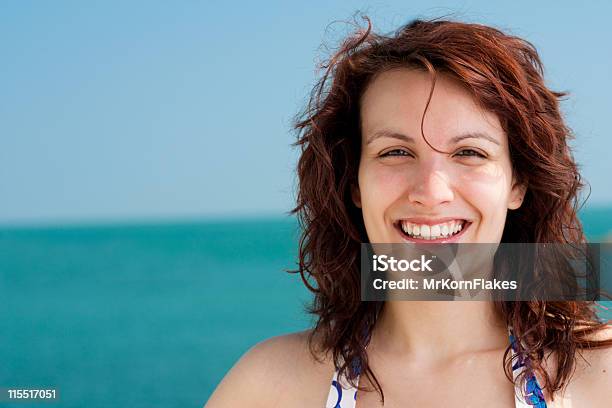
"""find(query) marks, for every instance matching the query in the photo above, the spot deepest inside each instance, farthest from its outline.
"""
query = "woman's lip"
(431, 221)
(450, 240)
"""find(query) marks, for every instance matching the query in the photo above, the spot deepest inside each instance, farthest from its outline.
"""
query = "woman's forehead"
(395, 101)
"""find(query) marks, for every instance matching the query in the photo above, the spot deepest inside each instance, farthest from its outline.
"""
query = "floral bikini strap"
(532, 391)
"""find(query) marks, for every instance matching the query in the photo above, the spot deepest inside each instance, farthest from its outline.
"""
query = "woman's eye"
(395, 152)
(470, 153)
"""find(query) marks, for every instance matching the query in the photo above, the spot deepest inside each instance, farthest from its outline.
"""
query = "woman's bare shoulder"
(591, 383)
(280, 371)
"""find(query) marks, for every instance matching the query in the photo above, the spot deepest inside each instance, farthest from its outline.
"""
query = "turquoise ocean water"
(149, 315)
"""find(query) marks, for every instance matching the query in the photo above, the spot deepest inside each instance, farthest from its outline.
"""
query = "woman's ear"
(356, 195)
(517, 195)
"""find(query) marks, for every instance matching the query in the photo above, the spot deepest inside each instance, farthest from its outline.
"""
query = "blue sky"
(121, 110)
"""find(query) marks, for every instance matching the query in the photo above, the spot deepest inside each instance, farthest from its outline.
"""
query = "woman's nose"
(432, 185)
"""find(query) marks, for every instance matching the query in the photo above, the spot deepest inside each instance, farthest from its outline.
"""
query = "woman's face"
(408, 191)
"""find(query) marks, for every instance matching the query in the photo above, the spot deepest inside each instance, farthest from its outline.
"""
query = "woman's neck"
(434, 331)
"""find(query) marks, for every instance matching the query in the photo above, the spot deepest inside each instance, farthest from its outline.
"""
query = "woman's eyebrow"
(410, 139)
(475, 135)
(391, 134)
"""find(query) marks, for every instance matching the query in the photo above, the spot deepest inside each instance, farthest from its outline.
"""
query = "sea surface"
(149, 315)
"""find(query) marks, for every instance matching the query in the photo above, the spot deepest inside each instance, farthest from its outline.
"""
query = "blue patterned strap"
(534, 397)
(341, 394)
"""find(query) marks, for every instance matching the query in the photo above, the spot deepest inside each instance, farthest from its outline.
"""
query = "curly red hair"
(505, 75)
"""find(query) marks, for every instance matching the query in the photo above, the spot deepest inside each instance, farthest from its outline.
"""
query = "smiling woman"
(441, 133)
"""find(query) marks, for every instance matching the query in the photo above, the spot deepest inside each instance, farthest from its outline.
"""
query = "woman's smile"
(441, 230)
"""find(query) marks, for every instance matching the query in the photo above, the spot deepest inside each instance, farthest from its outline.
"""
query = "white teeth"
(425, 231)
(445, 231)
(429, 232)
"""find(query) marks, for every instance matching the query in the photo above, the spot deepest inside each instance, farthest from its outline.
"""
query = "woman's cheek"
(492, 172)
(379, 189)
(382, 185)
(487, 189)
